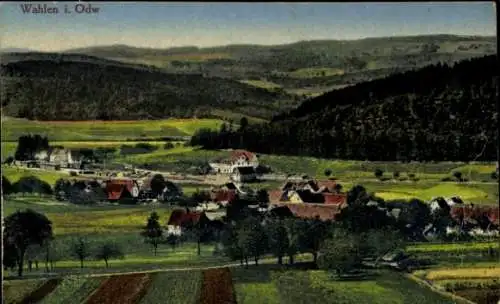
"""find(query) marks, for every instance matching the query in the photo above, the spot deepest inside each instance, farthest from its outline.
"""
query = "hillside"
(45, 86)
(435, 113)
(306, 68)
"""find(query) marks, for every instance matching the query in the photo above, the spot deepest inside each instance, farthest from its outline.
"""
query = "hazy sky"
(163, 25)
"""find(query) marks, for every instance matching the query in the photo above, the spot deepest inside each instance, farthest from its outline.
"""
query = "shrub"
(494, 175)
(458, 175)
(395, 174)
(403, 178)
(384, 179)
(378, 173)
(411, 175)
(168, 146)
(73, 173)
(447, 179)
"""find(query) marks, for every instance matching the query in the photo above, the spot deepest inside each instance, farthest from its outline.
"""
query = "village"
(228, 182)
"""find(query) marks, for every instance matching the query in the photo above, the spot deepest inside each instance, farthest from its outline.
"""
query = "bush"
(168, 146)
(403, 178)
(494, 175)
(378, 173)
(384, 179)
(73, 173)
(458, 175)
(411, 175)
(139, 148)
(395, 174)
(447, 179)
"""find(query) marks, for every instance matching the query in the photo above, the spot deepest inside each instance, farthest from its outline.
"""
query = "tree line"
(437, 113)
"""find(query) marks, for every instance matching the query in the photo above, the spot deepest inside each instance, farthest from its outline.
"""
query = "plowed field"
(123, 289)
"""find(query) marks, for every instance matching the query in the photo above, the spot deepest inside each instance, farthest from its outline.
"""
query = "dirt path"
(42, 291)
(217, 287)
(123, 289)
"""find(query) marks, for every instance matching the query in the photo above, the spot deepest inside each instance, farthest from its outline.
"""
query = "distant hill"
(306, 68)
(15, 50)
(439, 112)
(51, 86)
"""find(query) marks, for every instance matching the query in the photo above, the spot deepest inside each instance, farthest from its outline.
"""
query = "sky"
(174, 24)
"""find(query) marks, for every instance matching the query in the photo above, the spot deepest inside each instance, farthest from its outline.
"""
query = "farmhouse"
(244, 174)
(237, 158)
(311, 191)
(307, 211)
(223, 197)
(170, 192)
(61, 157)
(182, 219)
(121, 190)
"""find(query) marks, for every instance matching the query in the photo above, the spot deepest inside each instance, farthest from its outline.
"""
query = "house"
(170, 192)
(309, 211)
(439, 203)
(307, 196)
(121, 190)
(223, 197)
(244, 174)
(60, 156)
(478, 215)
(182, 219)
(237, 158)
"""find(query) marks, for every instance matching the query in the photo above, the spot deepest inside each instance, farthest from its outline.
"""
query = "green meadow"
(13, 128)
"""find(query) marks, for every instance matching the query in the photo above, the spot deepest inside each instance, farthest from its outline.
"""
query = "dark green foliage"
(62, 189)
(24, 229)
(340, 253)
(494, 175)
(395, 174)
(158, 183)
(435, 113)
(80, 249)
(153, 232)
(28, 145)
(139, 148)
(201, 196)
(108, 251)
(279, 242)
(378, 173)
(77, 90)
(31, 184)
(168, 145)
(458, 175)
(252, 239)
(328, 172)
(263, 198)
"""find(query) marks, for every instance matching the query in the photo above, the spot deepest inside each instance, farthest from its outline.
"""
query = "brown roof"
(275, 196)
(181, 217)
(236, 154)
(312, 211)
(116, 187)
(327, 183)
(335, 199)
(223, 195)
(475, 212)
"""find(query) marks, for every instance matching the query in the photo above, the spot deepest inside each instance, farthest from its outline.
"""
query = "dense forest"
(77, 90)
(439, 112)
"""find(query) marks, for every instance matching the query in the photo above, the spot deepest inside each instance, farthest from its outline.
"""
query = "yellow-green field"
(13, 128)
(313, 72)
(262, 84)
(13, 174)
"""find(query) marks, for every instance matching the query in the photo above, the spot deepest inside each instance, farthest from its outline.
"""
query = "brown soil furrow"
(217, 287)
(123, 289)
(38, 294)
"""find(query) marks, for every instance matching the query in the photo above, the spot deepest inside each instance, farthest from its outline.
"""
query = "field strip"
(463, 273)
(437, 289)
(38, 294)
(123, 289)
(217, 287)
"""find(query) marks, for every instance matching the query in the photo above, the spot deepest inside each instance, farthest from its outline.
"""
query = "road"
(117, 271)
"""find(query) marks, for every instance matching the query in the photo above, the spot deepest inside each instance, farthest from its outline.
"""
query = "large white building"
(238, 158)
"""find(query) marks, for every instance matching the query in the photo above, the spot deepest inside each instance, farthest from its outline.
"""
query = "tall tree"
(107, 251)
(252, 239)
(158, 184)
(153, 232)
(278, 239)
(24, 229)
(80, 249)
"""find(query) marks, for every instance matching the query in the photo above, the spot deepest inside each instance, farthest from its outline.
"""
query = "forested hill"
(62, 87)
(435, 113)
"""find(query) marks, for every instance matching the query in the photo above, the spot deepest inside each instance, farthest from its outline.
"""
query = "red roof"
(275, 196)
(180, 217)
(311, 211)
(327, 183)
(475, 212)
(223, 195)
(116, 187)
(236, 154)
(335, 199)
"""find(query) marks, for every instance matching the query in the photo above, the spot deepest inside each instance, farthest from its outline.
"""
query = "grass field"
(262, 84)
(261, 286)
(13, 174)
(183, 288)
(13, 128)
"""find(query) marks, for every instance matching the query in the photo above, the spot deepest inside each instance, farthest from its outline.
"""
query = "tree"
(340, 253)
(243, 123)
(338, 188)
(200, 197)
(395, 174)
(158, 184)
(494, 175)
(32, 184)
(458, 175)
(377, 243)
(328, 172)
(108, 251)
(379, 173)
(153, 232)
(172, 240)
(24, 229)
(80, 249)
(278, 239)
(62, 189)
(414, 218)
(252, 239)
(263, 198)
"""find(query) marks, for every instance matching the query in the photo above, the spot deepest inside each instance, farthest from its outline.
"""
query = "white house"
(238, 158)
(243, 174)
(434, 203)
